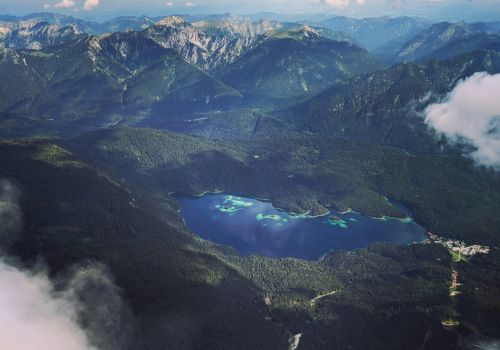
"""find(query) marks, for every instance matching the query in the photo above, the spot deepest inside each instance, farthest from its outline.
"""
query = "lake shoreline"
(305, 214)
(255, 227)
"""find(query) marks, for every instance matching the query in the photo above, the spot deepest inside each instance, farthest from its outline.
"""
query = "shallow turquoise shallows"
(255, 227)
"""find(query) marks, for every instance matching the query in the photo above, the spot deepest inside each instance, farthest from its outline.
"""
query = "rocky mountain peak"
(309, 31)
(298, 33)
(171, 21)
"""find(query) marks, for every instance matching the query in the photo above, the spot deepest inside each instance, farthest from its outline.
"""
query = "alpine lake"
(255, 227)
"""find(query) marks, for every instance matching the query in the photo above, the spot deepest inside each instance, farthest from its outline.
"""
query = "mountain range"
(231, 76)
(295, 63)
(164, 73)
(446, 40)
(383, 107)
(104, 125)
(35, 36)
(384, 36)
(108, 78)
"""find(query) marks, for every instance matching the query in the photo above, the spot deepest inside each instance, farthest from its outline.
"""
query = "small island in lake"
(256, 227)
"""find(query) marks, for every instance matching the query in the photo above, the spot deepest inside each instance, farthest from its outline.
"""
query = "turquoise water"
(256, 227)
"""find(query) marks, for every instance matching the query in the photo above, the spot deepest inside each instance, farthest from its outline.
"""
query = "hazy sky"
(438, 9)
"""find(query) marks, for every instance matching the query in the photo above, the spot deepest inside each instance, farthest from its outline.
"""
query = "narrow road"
(322, 296)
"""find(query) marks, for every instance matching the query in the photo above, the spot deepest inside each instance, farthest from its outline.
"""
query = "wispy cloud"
(32, 316)
(338, 3)
(64, 4)
(79, 310)
(90, 4)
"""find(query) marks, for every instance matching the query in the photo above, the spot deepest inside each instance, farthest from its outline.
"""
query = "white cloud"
(64, 4)
(471, 114)
(84, 312)
(338, 3)
(169, 4)
(90, 4)
(33, 316)
(46, 6)
(189, 4)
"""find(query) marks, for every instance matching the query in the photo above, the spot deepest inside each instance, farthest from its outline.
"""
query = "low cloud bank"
(470, 115)
(485, 344)
(78, 310)
(35, 316)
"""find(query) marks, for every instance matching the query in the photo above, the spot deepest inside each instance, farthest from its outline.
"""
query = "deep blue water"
(255, 227)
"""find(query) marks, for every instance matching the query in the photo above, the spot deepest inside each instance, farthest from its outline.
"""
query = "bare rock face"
(207, 45)
(34, 35)
(238, 28)
(171, 21)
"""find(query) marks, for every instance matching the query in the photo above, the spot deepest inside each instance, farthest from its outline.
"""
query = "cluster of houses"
(459, 247)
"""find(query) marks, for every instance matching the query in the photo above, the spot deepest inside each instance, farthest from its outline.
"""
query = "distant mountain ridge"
(211, 77)
(206, 44)
(445, 40)
(53, 18)
(295, 63)
(383, 36)
(204, 50)
(36, 36)
(124, 23)
(381, 107)
(236, 28)
(97, 81)
(206, 41)
(161, 76)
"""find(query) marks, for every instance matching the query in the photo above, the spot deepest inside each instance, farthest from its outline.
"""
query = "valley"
(251, 182)
(113, 223)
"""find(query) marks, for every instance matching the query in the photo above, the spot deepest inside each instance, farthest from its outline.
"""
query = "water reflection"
(255, 227)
